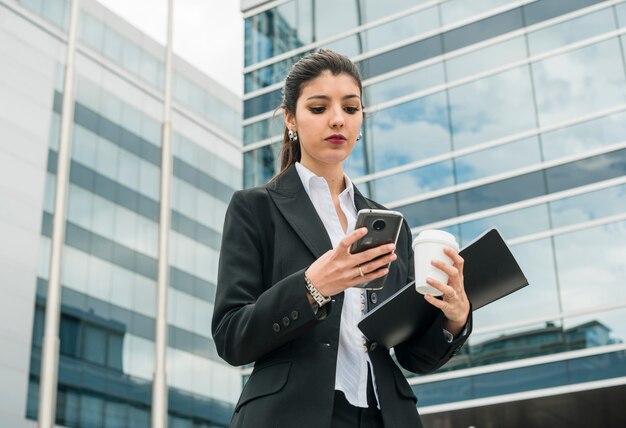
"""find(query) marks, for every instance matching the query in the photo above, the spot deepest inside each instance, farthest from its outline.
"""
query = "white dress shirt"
(352, 358)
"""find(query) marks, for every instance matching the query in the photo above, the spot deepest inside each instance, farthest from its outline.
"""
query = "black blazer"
(262, 314)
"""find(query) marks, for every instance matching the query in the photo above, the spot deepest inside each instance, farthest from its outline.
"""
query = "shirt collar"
(307, 176)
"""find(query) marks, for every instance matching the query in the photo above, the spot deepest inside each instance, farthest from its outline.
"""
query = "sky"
(207, 33)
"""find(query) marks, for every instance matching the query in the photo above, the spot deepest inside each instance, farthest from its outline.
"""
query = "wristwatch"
(317, 296)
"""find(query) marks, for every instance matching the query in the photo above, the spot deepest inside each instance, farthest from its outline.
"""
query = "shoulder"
(249, 196)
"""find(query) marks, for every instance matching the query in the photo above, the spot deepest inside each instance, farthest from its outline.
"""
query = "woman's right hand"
(338, 269)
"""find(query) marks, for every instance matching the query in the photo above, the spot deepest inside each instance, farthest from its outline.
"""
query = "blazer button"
(285, 321)
(294, 315)
(374, 298)
(276, 327)
(373, 346)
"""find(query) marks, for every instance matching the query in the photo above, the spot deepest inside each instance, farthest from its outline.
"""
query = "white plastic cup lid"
(439, 236)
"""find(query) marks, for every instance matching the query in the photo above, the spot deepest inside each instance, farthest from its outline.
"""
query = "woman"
(284, 297)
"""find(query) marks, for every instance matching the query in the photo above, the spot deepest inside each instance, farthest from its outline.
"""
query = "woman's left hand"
(454, 304)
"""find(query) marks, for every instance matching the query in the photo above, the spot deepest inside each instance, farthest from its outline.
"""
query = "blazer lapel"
(360, 202)
(295, 205)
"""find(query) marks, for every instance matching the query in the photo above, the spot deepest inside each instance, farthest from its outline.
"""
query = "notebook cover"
(490, 273)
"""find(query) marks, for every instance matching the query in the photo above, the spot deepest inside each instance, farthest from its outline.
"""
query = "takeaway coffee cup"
(428, 246)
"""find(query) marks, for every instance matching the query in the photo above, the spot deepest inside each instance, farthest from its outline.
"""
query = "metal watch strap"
(317, 296)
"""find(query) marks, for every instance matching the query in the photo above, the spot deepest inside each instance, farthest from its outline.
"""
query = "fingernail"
(392, 247)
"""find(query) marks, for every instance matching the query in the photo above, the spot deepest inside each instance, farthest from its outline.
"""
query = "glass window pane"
(68, 335)
(263, 129)
(72, 408)
(585, 136)
(84, 146)
(343, 18)
(591, 266)
(512, 224)
(56, 11)
(586, 171)
(401, 29)
(497, 160)
(538, 299)
(131, 57)
(260, 165)
(431, 210)
(571, 31)
(409, 132)
(373, 10)
(55, 129)
(620, 11)
(113, 43)
(492, 107)
(115, 415)
(486, 58)
(79, 206)
(278, 30)
(91, 410)
(513, 344)
(115, 350)
(413, 183)
(456, 10)
(405, 84)
(588, 206)
(92, 31)
(94, 344)
(579, 82)
(349, 46)
(598, 329)
(501, 192)
(138, 418)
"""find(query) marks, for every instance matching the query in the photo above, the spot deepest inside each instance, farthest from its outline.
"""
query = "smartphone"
(383, 227)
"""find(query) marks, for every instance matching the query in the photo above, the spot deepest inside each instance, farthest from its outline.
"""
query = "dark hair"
(303, 71)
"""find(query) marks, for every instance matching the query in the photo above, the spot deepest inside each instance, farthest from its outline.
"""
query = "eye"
(352, 110)
(317, 110)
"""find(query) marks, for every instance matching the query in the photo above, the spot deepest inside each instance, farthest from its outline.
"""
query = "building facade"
(110, 253)
(479, 114)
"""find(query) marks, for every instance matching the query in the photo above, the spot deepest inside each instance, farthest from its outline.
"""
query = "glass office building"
(486, 113)
(110, 255)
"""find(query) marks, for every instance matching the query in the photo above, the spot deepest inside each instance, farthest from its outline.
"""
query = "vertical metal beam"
(159, 384)
(50, 352)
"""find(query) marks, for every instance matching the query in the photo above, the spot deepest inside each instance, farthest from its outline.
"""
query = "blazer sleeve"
(252, 317)
(428, 352)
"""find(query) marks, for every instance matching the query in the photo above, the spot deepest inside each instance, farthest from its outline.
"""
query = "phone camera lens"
(379, 225)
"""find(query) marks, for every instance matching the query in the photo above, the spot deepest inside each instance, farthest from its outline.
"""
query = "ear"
(290, 121)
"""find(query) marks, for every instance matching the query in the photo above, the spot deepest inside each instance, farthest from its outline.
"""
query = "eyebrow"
(325, 97)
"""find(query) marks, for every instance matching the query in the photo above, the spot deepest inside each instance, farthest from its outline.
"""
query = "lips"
(336, 139)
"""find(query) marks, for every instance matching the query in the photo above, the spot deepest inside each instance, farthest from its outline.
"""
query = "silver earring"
(293, 136)
(360, 136)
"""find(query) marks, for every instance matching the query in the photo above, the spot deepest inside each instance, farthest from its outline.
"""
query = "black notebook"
(490, 273)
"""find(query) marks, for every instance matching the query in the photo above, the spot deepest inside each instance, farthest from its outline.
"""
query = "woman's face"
(328, 119)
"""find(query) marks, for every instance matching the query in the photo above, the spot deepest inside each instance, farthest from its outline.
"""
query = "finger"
(438, 303)
(451, 271)
(445, 289)
(456, 258)
(367, 277)
(351, 238)
(372, 253)
(378, 263)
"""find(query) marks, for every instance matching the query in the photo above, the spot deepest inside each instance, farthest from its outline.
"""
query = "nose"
(337, 119)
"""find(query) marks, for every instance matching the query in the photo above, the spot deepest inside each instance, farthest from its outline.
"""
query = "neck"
(332, 173)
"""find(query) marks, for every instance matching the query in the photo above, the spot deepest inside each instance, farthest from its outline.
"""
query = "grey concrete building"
(109, 257)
